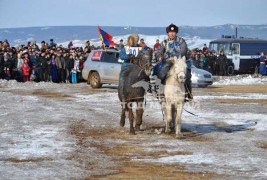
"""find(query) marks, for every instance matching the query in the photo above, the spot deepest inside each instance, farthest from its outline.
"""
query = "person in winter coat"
(263, 70)
(174, 46)
(75, 70)
(35, 46)
(61, 67)
(54, 69)
(6, 68)
(157, 45)
(70, 65)
(222, 59)
(19, 66)
(43, 67)
(34, 64)
(67, 66)
(125, 53)
(25, 67)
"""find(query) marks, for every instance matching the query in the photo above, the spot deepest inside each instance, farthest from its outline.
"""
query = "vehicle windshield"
(226, 47)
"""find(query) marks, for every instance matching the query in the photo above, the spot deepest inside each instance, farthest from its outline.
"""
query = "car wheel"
(202, 85)
(230, 71)
(95, 81)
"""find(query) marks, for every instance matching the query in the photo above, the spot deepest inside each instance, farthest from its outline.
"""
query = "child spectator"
(26, 68)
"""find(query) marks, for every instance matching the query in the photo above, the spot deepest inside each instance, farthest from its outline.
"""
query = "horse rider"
(171, 47)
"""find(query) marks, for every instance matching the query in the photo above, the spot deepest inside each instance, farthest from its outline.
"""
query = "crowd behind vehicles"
(54, 63)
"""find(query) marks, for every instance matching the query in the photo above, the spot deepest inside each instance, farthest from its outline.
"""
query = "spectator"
(222, 63)
(263, 61)
(43, 46)
(205, 48)
(157, 45)
(61, 66)
(43, 67)
(26, 68)
(34, 64)
(142, 43)
(52, 44)
(35, 46)
(75, 70)
(88, 46)
(120, 45)
(54, 69)
(67, 66)
(70, 45)
(5, 68)
(1, 45)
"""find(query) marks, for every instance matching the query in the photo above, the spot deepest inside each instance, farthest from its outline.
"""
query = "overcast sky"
(141, 13)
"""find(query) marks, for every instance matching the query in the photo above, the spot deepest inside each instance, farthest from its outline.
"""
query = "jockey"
(132, 48)
(171, 47)
(132, 41)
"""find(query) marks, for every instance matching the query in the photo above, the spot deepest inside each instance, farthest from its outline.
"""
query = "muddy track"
(125, 156)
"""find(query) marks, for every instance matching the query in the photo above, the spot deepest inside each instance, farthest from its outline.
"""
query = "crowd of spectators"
(49, 62)
(216, 64)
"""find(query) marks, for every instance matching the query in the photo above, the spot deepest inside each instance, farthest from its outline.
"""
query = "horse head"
(145, 60)
(178, 69)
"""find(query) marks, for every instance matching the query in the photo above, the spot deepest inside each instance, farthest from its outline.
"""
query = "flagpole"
(100, 35)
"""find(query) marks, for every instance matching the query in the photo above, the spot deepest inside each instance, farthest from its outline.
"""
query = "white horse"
(174, 94)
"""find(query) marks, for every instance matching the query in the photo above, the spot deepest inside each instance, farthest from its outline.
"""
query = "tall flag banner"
(107, 39)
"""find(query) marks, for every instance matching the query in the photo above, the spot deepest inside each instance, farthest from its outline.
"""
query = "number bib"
(132, 50)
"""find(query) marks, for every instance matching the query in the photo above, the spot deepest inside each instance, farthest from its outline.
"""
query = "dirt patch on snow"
(42, 93)
(127, 156)
(239, 88)
(28, 160)
(241, 101)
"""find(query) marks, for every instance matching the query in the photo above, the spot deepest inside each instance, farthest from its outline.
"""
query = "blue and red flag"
(106, 38)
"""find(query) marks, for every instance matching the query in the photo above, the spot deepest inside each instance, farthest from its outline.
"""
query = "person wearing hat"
(52, 44)
(171, 47)
(126, 51)
(43, 46)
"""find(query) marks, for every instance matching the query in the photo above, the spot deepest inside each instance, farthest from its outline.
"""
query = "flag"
(106, 38)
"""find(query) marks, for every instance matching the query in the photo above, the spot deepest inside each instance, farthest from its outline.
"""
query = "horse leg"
(123, 116)
(173, 111)
(131, 118)
(168, 118)
(179, 111)
(139, 115)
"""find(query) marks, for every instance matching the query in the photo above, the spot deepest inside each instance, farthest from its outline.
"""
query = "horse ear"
(173, 59)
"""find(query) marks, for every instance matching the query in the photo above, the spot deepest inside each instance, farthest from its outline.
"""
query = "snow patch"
(239, 80)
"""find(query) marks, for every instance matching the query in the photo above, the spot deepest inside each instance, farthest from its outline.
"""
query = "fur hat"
(172, 28)
(135, 39)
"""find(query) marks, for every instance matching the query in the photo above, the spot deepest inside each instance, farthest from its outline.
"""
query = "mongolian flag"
(106, 38)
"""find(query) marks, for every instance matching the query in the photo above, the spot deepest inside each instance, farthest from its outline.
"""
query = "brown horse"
(130, 74)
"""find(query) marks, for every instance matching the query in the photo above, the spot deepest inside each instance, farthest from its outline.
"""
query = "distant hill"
(67, 33)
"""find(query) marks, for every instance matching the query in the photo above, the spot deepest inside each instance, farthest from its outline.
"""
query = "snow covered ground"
(70, 131)
(240, 80)
(193, 42)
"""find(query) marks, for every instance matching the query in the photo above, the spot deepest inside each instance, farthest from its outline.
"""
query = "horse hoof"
(137, 128)
(179, 136)
(167, 131)
(132, 133)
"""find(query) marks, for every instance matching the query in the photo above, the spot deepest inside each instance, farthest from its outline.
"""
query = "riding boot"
(188, 86)
(188, 91)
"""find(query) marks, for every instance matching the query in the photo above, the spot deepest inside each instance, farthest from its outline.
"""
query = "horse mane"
(174, 61)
